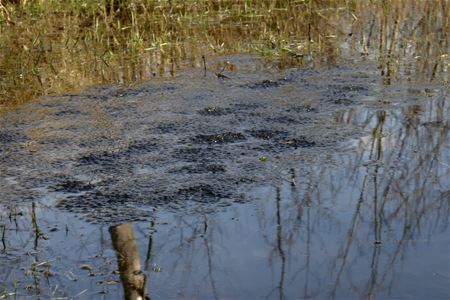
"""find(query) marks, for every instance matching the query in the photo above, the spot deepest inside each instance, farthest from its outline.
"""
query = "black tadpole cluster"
(111, 155)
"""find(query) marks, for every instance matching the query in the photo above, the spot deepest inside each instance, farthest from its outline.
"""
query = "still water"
(307, 183)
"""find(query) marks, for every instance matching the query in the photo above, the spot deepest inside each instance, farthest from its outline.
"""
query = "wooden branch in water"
(134, 281)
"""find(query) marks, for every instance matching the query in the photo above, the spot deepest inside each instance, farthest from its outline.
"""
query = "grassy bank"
(50, 46)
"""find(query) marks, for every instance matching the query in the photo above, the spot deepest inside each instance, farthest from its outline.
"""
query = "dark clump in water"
(6, 137)
(101, 158)
(141, 90)
(202, 193)
(164, 144)
(282, 139)
(266, 134)
(72, 186)
(227, 137)
(67, 112)
(197, 154)
(111, 158)
(141, 146)
(267, 84)
(349, 88)
(299, 142)
(343, 101)
(201, 168)
(165, 128)
(303, 108)
(286, 144)
(344, 93)
(98, 207)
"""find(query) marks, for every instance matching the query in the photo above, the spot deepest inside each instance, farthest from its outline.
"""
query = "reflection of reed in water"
(384, 201)
(133, 279)
(405, 170)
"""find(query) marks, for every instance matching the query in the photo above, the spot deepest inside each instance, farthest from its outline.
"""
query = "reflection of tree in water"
(328, 229)
(401, 189)
(191, 242)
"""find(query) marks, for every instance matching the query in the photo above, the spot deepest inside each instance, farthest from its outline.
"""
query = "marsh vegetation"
(50, 47)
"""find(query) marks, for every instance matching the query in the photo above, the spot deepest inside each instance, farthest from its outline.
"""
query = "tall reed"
(50, 46)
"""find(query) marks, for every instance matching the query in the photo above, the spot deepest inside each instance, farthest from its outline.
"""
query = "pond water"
(305, 183)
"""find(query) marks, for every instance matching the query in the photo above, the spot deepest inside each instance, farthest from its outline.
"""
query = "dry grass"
(50, 46)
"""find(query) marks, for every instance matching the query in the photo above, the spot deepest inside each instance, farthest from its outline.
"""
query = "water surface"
(306, 183)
